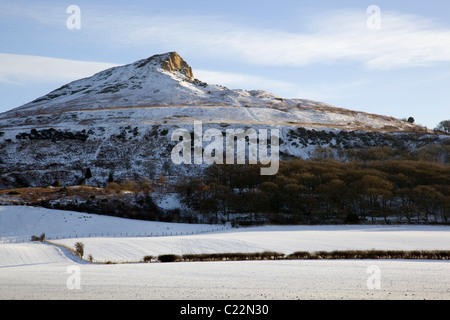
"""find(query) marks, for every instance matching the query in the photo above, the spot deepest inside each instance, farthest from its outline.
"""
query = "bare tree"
(443, 126)
(79, 249)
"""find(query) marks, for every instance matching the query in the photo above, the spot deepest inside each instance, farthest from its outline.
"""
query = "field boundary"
(307, 255)
(372, 254)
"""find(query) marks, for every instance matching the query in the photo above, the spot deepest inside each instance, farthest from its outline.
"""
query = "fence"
(14, 239)
(23, 239)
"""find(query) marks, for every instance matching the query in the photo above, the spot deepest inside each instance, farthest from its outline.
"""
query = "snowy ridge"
(166, 80)
(20, 223)
(120, 121)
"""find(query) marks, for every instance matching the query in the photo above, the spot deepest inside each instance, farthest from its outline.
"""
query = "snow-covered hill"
(167, 80)
(119, 122)
(20, 223)
(161, 81)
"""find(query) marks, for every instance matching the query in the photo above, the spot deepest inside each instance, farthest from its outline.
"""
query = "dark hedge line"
(305, 255)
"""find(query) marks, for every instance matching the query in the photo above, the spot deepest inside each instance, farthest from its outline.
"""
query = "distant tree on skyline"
(443, 126)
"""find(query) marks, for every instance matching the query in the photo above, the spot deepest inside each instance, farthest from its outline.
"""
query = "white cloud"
(403, 40)
(241, 81)
(21, 69)
(328, 91)
(43, 13)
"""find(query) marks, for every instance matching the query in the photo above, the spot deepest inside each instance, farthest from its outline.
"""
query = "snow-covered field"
(19, 223)
(43, 271)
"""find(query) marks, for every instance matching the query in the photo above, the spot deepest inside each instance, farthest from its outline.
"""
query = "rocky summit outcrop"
(175, 63)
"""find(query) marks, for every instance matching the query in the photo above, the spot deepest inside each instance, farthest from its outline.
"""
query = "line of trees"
(324, 191)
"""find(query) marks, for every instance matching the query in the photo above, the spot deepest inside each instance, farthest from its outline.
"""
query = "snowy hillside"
(119, 122)
(19, 223)
(166, 80)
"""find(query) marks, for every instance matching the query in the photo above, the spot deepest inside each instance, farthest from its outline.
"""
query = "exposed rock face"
(175, 63)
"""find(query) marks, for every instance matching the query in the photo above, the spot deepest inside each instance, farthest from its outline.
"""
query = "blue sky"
(319, 50)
